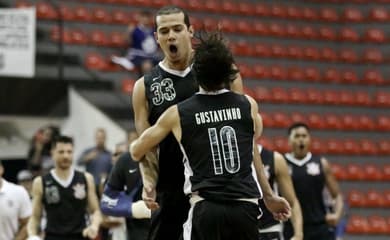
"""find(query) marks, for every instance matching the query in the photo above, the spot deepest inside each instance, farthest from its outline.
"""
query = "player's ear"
(191, 31)
(156, 37)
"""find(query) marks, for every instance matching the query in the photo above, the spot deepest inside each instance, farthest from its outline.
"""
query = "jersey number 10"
(230, 153)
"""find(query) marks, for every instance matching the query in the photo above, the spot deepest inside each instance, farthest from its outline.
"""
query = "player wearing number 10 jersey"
(216, 130)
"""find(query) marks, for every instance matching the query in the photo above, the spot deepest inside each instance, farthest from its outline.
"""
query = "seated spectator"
(143, 52)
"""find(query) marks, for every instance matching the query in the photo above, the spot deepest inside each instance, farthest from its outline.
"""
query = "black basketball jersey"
(164, 88)
(267, 156)
(217, 140)
(65, 206)
(309, 181)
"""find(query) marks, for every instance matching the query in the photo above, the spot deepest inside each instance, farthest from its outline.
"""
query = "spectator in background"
(97, 159)
(122, 193)
(143, 53)
(39, 160)
(15, 209)
(25, 179)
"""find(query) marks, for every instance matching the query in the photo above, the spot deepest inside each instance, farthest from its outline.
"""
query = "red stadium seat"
(281, 144)
(244, 27)
(294, 12)
(356, 198)
(195, 5)
(98, 38)
(346, 97)
(383, 123)
(315, 96)
(329, 15)
(267, 143)
(55, 35)
(338, 170)
(351, 147)
(95, 61)
(350, 122)
(327, 33)
(386, 173)
(331, 97)
(100, 15)
(386, 197)
(379, 14)
(333, 121)
(267, 119)
(332, 75)
(227, 25)
(357, 225)
(384, 147)
(261, 71)
(82, 14)
(311, 53)
(378, 225)
(211, 6)
(22, 4)
(348, 56)
(366, 123)
(373, 56)
(210, 24)
(278, 11)
(260, 28)
(354, 172)
(362, 98)
(241, 48)
(281, 120)
(117, 39)
(128, 85)
(335, 146)
(375, 35)
(328, 54)
(368, 147)
(352, 15)
(382, 99)
(374, 199)
(310, 14)
(245, 8)
(312, 74)
(78, 37)
(349, 76)
(279, 95)
(349, 35)
(245, 70)
(373, 77)
(67, 13)
(229, 7)
(278, 73)
(297, 95)
(262, 10)
(262, 94)
(297, 117)
(309, 32)
(295, 74)
(373, 172)
(294, 52)
(293, 31)
(316, 121)
(277, 29)
(262, 50)
(45, 11)
(120, 17)
(317, 146)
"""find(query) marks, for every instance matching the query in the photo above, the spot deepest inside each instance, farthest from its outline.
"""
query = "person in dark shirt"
(311, 174)
(67, 196)
(216, 130)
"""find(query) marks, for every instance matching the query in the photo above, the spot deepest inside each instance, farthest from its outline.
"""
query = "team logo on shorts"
(313, 169)
(79, 191)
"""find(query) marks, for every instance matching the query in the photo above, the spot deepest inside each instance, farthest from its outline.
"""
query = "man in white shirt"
(15, 208)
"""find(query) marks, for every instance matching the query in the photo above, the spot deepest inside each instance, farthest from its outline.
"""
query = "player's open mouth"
(173, 49)
(301, 146)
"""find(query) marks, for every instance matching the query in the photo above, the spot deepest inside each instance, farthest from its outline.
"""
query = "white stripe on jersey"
(187, 172)
(187, 226)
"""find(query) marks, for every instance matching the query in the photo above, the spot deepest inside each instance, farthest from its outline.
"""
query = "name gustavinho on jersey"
(225, 114)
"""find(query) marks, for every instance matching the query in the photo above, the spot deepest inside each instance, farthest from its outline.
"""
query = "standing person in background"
(67, 196)
(25, 179)
(122, 195)
(216, 130)
(168, 83)
(143, 53)
(97, 159)
(276, 171)
(310, 175)
(15, 209)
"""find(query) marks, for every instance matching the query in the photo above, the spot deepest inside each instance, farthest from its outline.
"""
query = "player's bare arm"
(334, 190)
(149, 168)
(22, 232)
(35, 219)
(92, 230)
(277, 205)
(287, 190)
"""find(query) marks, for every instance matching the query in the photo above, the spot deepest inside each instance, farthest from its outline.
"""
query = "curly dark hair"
(213, 62)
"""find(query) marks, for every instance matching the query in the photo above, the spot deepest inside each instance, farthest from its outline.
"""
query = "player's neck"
(63, 174)
(299, 156)
(180, 65)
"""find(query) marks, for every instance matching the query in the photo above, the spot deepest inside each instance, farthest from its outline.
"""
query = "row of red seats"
(283, 11)
(307, 32)
(319, 96)
(335, 146)
(311, 74)
(348, 1)
(361, 172)
(328, 121)
(368, 225)
(309, 53)
(371, 198)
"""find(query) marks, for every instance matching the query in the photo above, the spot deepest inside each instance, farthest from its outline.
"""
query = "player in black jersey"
(216, 130)
(310, 175)
(276, 171)
(67, 196)
(169, 83)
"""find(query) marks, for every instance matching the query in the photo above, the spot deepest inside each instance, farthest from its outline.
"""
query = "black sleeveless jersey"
(66, 207)
(309, 181)
(217, 140)
(267, 156)
(164, 89)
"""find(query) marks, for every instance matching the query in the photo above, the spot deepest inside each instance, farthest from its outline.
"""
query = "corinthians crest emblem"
(79, 191)
(313, 169)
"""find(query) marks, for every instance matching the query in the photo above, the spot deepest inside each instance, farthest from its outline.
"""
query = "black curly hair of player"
(213, 62)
